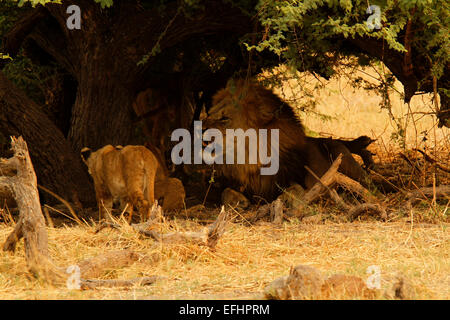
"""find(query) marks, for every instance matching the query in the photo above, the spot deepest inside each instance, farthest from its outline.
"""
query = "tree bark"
(31, 224)
(58, 167)
(104, 57)
(101, 113)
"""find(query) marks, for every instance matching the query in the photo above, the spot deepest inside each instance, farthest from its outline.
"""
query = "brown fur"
(132, 175)
(126, 174)
(158, 114)
(248, 105)
(243, 104)
(170, 192)
(321, 152)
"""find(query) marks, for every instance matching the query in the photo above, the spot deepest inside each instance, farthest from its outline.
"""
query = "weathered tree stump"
(31, 223)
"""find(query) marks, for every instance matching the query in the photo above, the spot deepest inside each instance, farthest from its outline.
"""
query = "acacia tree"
(187, 50)
(412, 40)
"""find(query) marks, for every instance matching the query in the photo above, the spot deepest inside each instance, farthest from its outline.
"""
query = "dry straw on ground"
(245, 260)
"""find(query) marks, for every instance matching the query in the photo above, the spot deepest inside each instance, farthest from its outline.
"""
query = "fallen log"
(332, 192)
(355, 186)
(323, 185)
(208, 237)
(440, 192)
(367, 208)
(326, 181)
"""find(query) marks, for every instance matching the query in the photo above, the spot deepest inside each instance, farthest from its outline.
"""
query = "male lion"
(244, 104)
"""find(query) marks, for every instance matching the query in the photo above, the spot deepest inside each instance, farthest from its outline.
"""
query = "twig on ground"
(64, 202)
(370, 208)
(433, 161)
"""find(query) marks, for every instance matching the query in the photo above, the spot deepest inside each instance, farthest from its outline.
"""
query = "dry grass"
(248, 258)
(355, 111)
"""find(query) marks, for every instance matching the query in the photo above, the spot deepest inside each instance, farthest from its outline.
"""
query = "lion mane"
(245, 104)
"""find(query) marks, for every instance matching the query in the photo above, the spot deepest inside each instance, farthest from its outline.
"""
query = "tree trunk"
(31, 223)
(58, 167)
(101, 114)
(104, 58)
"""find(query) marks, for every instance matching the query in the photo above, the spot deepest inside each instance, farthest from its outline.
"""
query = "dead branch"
(216, 230)
(442, 192)
(327, 180)
(31, 223)
(276, 211)
(14, 237)
(8, 167)
(209, 237)
(338, 200)
(355, 186)
(94, 267)
(433, 161)
(367, 208)
(260, 213)
(112, 283)
(332, 192)
(326, 184)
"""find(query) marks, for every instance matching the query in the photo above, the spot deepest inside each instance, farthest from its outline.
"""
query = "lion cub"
(123, 173)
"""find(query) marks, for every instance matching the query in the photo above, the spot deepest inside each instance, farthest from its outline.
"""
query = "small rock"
(402, 289)
(303, 282)
(235, 199)
(292, 196)
(276, 289)
(344, 286)
(317, 218)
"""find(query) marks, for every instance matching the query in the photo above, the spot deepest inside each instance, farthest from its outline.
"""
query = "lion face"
(225, 113)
